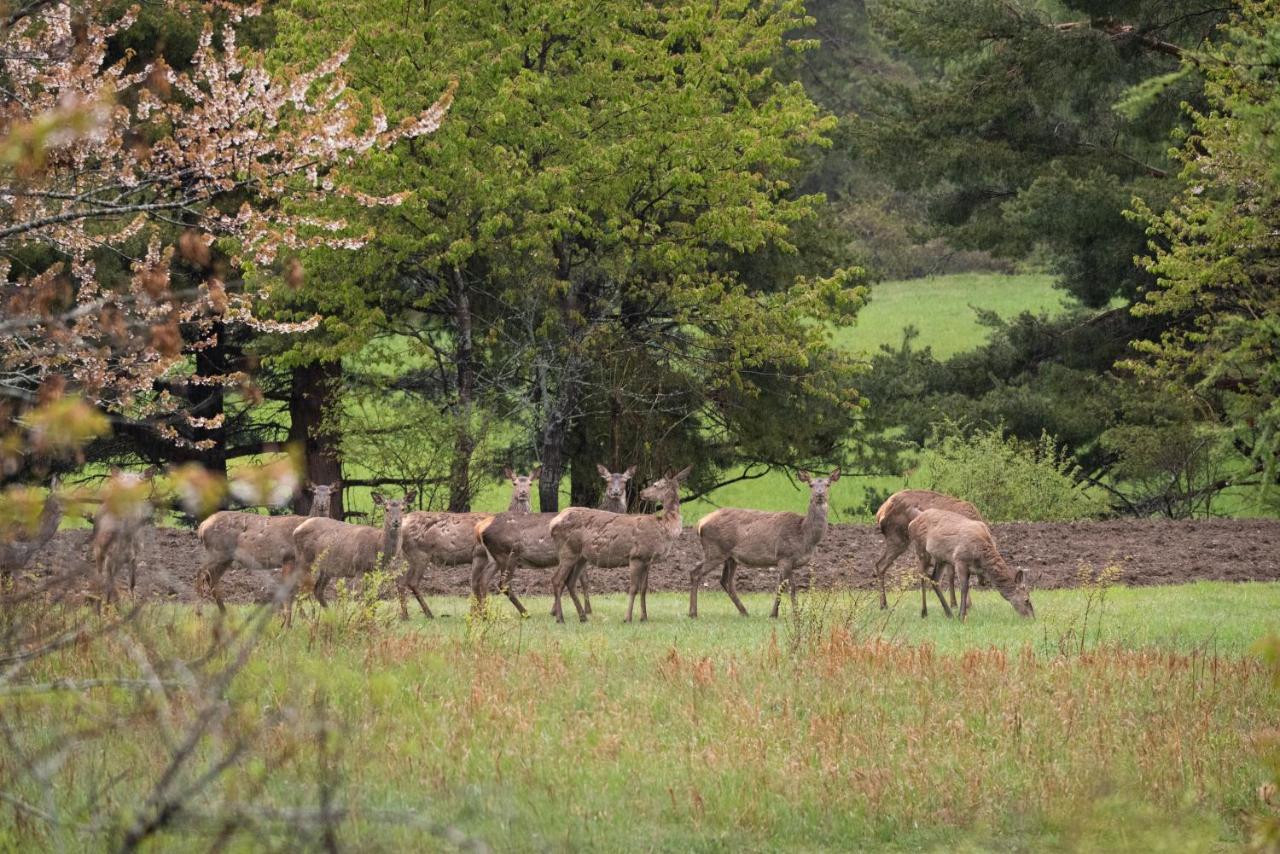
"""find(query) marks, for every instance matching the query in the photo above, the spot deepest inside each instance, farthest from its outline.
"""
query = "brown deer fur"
(610, 540)
(252, 541)
(327, 548)
(732, 536)
(896, 513)
(117, 536)
(434, 540)
(941, 537)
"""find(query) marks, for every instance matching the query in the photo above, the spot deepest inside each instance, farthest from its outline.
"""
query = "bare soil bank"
(1147, 551)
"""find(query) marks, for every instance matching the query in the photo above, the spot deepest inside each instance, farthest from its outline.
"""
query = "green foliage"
(1010, 479)
(1214, 250)
(603, 237)
(1008, 128)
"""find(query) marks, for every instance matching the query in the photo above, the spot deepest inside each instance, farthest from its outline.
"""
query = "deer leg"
(784, 577)
(937, 587)
(924, 585)
(637, 572)
(791, 585)
(644, 595)
(563, 571)
(963, 568)
(729, 581)
(208, 580)
(322, 580)
(586, 598)
(695, 578)
(508, 575)
(574, 576)
(951, 583)
(892, 549)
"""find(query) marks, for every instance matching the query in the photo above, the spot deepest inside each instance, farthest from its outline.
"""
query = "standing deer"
(615, 488)
(252, 541)
(943, 538)
(896, 513)
(450, 539)
(731, 536)
(118, 529)
(610, 540)
(327, 548)
(17, 549)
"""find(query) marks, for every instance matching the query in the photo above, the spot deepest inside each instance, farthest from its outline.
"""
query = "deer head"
(322, 498)
(393, 509)
(522, 485)
(819, 487)
(615, 487)
(666, 490)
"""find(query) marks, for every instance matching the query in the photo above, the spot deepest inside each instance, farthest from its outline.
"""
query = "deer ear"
(536, 473)
(835, 474)
(803, 476)
(1020, 577)
(604, 472)
(509, 474)
(410, 495)
(378, 499)
(684, 473)
(629, 473)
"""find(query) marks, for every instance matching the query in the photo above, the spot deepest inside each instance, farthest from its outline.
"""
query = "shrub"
(1008, 478)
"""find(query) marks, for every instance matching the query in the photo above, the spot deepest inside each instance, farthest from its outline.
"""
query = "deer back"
(524, 536)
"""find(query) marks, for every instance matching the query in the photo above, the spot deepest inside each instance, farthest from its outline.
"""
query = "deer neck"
(519, 506)
(672, 524)
(814, 526)
(391, 542)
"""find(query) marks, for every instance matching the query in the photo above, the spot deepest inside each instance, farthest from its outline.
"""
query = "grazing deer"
(17, 549)
(252, 541)
(450, 539)
(896, 513)
(327, 548)
(610, 540)
(941, 537)
(731, 536)
(117, 529)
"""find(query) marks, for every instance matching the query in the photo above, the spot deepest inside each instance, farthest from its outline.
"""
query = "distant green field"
(942, 309)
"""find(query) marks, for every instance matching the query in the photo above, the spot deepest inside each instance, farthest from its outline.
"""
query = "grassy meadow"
(1121, 718)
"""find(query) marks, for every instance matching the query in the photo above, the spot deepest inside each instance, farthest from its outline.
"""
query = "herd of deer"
(947, 534)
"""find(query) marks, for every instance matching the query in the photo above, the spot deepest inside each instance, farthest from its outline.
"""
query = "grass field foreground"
(1120, 719)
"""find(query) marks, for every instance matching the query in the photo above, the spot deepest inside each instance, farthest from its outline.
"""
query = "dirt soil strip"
(1147, 551)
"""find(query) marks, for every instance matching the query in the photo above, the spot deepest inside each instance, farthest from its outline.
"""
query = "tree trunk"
(584, 480)
(208, 400)
(464, 442)
(312, 392)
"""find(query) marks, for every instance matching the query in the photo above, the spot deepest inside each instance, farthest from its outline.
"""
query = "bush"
(1007, 478)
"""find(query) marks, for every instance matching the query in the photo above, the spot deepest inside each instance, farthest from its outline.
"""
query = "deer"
(610, 540)
(17, 549)
(253, 541)
(941, 537)
(118, 527)
(731, 536)
(896, 513)
(450, 539)
(514, 539)
(327, 548)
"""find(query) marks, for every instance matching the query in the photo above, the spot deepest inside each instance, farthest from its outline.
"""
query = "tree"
(1009, 128)
(121, 181)
(577, 265)
(1215, 252)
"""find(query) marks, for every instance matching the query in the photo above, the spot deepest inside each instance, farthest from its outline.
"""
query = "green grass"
(833, 728)
(942, 309)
